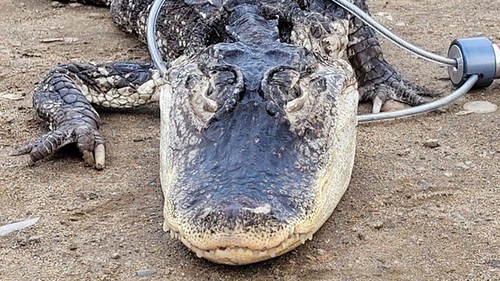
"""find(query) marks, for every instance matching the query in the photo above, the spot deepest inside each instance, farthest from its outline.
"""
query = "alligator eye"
(297, 103)
(202, 105)
(294, 93)
(298, 97)
(209, 103)
(221, 75)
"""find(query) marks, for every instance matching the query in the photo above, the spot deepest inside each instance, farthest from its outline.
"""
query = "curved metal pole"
(394, 38)
(151, 37)
(412, 111)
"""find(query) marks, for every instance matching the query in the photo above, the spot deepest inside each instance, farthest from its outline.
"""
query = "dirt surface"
(410, 213)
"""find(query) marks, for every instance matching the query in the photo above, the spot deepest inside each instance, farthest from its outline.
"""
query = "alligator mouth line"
(240, 255)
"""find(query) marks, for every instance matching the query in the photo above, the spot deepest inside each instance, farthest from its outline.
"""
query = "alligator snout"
(240, 228)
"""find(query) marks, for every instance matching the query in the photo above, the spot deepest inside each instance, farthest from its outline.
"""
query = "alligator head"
(257, 144)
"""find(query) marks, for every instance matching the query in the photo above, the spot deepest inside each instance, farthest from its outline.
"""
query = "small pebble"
(35, 238)
(481, 107)
(56, 4)
(73, 247)
(459, 217)
(463, 113)
(75, 5)
(377, 224)
(361, 236)
(462, 165)
(115, 256)
(432, 143)
(424, 184)
(493, 263)
(405, 152)
(145, 272)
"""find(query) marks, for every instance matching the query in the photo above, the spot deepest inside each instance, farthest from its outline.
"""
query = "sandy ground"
(411, 212)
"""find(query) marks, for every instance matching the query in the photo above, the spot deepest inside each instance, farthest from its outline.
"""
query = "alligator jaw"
(241, 256)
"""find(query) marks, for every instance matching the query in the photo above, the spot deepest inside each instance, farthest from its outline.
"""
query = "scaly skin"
(258, 115)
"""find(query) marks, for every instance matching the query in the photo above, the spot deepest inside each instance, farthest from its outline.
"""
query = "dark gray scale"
(184, 27)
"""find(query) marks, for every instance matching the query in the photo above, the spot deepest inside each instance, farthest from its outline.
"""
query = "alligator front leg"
(64, 98)
(378, 80)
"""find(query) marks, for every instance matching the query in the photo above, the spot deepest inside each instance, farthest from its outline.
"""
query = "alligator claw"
(377, 105)
(395, 89)
(100, 156)
(88, 140)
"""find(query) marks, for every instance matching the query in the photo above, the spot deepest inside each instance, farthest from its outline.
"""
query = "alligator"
(258, 115)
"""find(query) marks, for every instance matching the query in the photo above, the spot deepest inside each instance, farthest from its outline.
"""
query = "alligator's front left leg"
(64, 98)
(378, 80)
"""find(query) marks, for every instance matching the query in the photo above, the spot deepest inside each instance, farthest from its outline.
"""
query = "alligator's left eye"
(220, 78)
(226, 86)
(201, 102)
(209, 103)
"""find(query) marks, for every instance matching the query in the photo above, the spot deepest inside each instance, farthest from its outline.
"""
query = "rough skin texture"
(235, 195)
(185, 28)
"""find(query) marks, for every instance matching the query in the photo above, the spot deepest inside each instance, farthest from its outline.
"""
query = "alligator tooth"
(165, 227)
(219, 252)
(280, 248)
(272, 252)
(310, 235)
(303, 238)
(172, 234)
(211, 253)
(199, 252)
(256, 253)
(241, 251)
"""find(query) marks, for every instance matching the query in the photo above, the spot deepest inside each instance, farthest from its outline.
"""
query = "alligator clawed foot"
(88, 141)
(398, 91)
